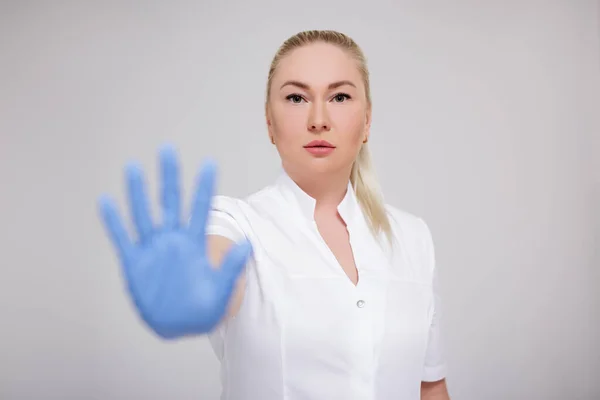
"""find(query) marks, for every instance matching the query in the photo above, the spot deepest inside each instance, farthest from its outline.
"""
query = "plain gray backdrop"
(486, 124)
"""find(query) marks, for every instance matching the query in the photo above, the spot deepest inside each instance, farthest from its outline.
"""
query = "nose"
(319, 119)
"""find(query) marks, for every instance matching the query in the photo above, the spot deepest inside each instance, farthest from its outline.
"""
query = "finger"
(170, 187)
(205, 187)
(138, 201)
(234, 261)
(115, 228)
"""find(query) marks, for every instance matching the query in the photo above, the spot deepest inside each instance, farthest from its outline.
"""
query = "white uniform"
(304, 330)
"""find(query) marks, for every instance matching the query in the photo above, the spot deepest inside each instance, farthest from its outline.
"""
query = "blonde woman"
(313, 287)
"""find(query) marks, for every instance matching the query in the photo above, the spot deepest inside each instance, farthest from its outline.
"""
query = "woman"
(322, 290)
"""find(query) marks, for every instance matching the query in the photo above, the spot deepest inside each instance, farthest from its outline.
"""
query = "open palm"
(176, 291)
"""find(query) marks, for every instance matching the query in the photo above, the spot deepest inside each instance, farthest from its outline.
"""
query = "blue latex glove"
(167, 271)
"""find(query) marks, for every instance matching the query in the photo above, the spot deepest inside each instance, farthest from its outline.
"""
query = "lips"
(319, 143)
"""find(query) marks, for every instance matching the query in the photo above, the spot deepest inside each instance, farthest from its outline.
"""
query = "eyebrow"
(304, 86)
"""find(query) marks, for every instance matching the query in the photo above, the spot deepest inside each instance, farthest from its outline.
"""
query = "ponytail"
(368, 193)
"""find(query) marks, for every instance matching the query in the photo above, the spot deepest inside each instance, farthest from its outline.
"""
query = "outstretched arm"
(218, 247)
(434, 390)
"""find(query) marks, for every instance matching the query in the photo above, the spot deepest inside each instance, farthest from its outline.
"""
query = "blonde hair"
(362, 177)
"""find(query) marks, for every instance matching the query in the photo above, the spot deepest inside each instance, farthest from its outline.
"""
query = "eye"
(341, 97)
(295, 98)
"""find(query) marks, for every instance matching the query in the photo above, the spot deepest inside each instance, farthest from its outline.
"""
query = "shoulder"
(261, 200)
(413, 236)
(251, 216)
(408, 225)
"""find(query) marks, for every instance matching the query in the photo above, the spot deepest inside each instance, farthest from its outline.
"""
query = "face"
(317, 113)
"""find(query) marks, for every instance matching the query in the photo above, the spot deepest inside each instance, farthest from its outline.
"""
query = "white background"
(485, 124)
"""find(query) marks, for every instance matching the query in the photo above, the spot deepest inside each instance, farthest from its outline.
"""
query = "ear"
(367, 125)
(269, 125)
(267, 114)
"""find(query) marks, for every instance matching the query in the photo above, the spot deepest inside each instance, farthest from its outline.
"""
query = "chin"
(324, 165)
(303, 165)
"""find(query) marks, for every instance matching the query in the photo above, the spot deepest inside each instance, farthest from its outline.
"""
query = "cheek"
(289, 124)
(350, 122)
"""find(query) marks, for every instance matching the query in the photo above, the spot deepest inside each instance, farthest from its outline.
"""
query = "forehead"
(318, 64)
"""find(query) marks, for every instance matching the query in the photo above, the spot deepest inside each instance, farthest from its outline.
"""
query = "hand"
(176, 291)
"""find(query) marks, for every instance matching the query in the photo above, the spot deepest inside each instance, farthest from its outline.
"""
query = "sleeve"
(221, 220)
(435, 363)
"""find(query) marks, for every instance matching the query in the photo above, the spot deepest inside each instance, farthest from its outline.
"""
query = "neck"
(328, 190)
